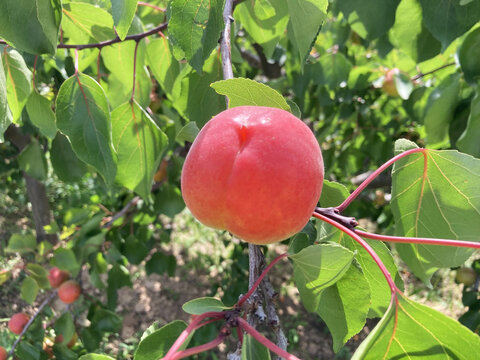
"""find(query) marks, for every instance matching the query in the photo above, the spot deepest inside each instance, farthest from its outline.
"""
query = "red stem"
(377, 172)
(260, 278)
(134, 70)
(264, 341)
(425, 241)
(186, 333)
(199, 349)
(364, 244)
(141, 3)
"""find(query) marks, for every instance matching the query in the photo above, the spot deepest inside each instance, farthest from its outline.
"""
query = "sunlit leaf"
(468, 55)
(253, 350)
(435, 194)
(306, 17)
(140, 144)
(123, 12)
(5, 114)
(447, 19)
(40, 112)
(195, 27)
(242, 92)
(266, 32)
(202, 305)
(413, 331)
(31, 26)
(18, 80)
(83, 115)
(32, 161)
(317, 267)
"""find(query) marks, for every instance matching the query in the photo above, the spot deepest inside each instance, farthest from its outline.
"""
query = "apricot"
(17, 322)
(389, 82)
(254, 171)
(3, 353)
(69, 291)
(56, 277)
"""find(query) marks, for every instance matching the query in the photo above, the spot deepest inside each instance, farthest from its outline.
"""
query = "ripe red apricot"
(17, 322)
(3, 353)
(254, 171)
(69, 291)
(56, 277)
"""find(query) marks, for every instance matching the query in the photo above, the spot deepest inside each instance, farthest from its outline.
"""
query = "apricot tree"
(100, 102)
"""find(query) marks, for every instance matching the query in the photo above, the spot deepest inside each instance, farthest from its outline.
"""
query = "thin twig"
(31, 320)
(225, 42)
(122, 212)
(420, 75)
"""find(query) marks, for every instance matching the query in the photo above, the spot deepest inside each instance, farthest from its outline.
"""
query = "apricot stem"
(372, 176)
(200, 348)
(259, 279)
(364, 244)
(264, 341)
(415, 240)
(186, 333)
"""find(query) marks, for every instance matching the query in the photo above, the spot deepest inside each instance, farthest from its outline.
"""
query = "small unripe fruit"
(56, 277)
(466, 276)
(17, 322)
(73, 340)
(254, 171)
(3, 353)
(69, 291)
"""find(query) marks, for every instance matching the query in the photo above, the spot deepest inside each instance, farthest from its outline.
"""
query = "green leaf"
(160, 263)
(118, 277)
(317, 267)
(157, 344)
(202, 305)
(4, 276)
(31, 26)
(21, 244)
(369, 18)
(27, 351)
(440, 108)
(86, 23)
(469, 142)
(448, 19)
(104, 320)
(411, 330)
(333, 194)
(64, 326)
(123, 12)
(19, 81)
(67, 165)
(65, 259)
(39, 274)
(164, 66)
(29, 290)
(468, 56)
(332, 70)
(253, 350)
(344, 306)
(83, 115)
(242, 92)
(266, 32)
(403, 84)
(40, 112)
(195, 27)
(187, 133)
(5, 114)
(95, 357)
(140, 145)
(306, 17)
(169, 200)
(410, 34)
(435, 195)
(194, 92)
(119, 88)
(32, 161)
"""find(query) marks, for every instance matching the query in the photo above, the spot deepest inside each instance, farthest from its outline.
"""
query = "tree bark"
(37, 194)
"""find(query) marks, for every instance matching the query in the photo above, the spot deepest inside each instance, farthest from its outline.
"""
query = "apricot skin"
(17, 322)
(69, 292)
(3, 353)
(254, 171)
(56, 277)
